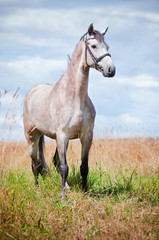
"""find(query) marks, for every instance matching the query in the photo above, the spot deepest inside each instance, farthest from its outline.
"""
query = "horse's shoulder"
(91, 107)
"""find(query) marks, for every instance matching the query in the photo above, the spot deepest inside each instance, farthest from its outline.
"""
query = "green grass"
(123, 206)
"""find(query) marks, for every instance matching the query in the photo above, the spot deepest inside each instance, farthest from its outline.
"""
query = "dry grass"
(28, 213)
(141, 154)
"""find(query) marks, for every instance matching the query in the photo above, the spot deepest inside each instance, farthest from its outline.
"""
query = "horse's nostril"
(109, 70)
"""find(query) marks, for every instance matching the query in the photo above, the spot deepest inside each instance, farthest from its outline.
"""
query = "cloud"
(28, 71)
(123, 125)
(33, 26)
(35, 63)
(127, 119)
(154, 17)
(131, 102)
(140, 81)
(120, 120)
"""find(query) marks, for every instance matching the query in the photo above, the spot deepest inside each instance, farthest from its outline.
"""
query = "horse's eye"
(93, 46)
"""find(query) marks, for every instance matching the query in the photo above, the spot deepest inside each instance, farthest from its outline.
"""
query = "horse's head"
(96, 52)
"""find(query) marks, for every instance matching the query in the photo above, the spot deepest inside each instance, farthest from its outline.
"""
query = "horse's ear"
(90, 29)
(104, 31)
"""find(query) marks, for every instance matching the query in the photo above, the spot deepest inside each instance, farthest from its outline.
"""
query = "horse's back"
(37, 97)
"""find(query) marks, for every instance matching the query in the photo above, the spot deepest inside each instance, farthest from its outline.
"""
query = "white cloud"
(122, 119)
(50, 27)
(33, 26)
(150, 83)
(28, 71)
(30, 40)
(126, 118)
(124, 125)
(148, 16)
(141, 81)
(101, 120)
(35, 64)
(136, 14)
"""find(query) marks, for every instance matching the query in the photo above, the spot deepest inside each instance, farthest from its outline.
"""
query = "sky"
(36, 37)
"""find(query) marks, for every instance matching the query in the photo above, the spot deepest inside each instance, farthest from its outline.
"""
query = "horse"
(64, 111)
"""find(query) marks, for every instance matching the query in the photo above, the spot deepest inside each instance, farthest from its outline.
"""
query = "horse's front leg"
(56, 162)
(62, 142)
(86, 142)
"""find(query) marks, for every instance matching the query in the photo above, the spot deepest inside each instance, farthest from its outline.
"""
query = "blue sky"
(36, 36)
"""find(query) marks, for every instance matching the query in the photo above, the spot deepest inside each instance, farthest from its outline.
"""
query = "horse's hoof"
(62, 195)
(67, 186)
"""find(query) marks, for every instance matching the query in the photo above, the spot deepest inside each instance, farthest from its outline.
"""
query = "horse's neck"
(76, 75)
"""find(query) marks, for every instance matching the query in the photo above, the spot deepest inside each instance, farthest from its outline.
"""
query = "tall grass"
(8, 114)
(122, 201)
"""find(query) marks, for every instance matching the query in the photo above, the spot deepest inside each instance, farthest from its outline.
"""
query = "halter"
(95, 60)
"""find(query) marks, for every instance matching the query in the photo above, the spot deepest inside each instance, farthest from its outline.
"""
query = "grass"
(122, 201)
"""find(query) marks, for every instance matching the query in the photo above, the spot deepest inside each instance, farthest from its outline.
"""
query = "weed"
(122, 201)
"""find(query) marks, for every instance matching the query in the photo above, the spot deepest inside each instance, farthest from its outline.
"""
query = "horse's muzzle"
(110, 72)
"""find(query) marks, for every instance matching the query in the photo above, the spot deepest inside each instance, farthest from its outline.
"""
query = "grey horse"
(64, 111)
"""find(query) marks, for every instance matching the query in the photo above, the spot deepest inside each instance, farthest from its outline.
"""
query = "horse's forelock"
(98, 36)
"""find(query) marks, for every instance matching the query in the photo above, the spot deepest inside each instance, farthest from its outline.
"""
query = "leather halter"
(95, 60)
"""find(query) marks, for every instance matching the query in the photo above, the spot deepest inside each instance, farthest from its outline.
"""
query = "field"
(122, 201)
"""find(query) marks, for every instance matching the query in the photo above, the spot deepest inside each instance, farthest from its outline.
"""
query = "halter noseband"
(95, 60)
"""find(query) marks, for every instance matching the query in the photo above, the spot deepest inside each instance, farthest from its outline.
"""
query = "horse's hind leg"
(86, 142)
(56, 160)
(37, 156)
(43, 168)
(34, 163)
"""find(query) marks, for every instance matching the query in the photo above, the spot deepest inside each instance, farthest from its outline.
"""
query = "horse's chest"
(78, 122)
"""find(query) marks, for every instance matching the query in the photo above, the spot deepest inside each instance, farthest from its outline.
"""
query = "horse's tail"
(41, 145)
(44, 169)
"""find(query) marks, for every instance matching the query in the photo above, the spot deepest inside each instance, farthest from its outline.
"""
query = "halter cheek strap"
(95, 60)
